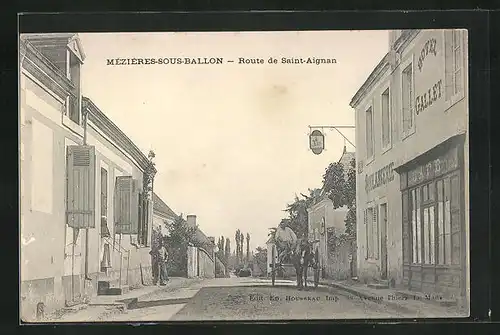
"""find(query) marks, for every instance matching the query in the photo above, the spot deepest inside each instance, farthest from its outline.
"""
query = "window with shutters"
(369, 134)
(126, 205)
(80, 186)
(454, 65)
(407, 97)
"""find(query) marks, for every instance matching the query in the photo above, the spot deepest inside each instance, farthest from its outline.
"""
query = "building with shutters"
(412, 165)
(85, 187)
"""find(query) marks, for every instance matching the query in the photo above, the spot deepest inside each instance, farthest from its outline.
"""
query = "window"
(454, 63)
(369, 133)
(73, 74)
(369, 233)
(386, 119)
(433, 224)
(415, 225)
(407, 100)
(371, 222)
(375, 236)
(104, 203)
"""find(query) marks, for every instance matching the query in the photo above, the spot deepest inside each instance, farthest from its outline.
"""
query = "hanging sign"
(316, 142)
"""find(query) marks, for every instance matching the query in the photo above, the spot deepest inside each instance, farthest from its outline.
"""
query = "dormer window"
(63, 53)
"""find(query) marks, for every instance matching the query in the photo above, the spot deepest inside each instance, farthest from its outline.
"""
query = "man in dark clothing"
(155, 246)
(162, 264)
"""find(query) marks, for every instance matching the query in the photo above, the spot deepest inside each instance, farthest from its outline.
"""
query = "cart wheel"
(316, 269)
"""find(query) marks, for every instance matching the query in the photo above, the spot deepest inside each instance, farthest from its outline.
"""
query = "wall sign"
(379, 178)
(428, 49)
(317, 142)
(422, 102)
(435, 168)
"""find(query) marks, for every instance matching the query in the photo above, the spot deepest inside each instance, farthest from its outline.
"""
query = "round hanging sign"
(317, 142)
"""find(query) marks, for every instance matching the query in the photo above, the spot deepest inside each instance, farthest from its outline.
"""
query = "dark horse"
(302, 258)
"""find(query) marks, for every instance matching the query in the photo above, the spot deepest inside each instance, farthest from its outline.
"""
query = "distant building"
(85, 208)
(162, 214)
(412, 164)
(324, 220)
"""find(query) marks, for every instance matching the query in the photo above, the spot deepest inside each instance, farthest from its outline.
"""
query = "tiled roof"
(161, 207)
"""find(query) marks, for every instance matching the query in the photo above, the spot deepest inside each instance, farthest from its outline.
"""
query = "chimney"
(191, 220)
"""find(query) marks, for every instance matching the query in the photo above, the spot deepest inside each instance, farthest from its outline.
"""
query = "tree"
(334, 184)
(180, 236)
(297, 212)
(248, 248)
(340, 187)
(227, 251)
(221, 251)
(260, 259)
(237, 239)
(242, 240)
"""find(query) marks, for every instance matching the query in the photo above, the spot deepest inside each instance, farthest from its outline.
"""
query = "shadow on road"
(154, 303)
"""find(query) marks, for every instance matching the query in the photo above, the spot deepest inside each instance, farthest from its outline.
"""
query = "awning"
(432, 153)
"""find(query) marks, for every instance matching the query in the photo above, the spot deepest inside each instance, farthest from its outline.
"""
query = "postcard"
(271, 175)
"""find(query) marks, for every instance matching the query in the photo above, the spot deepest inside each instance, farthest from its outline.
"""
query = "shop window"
(369, 134)
(434, 220)
(386, 119)
(454, 65)
(407, 100)
(416, 228)
(440, 222)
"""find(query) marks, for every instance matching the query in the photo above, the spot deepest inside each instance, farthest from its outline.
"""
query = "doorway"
(383, 241)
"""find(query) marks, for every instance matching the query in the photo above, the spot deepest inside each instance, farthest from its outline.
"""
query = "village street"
(237, 299)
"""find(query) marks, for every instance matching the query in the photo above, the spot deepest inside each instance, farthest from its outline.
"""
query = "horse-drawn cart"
(300, 258)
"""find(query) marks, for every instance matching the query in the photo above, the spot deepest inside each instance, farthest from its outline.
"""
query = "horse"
(302, 257)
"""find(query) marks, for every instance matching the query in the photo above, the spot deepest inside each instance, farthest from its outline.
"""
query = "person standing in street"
(155, 250)
(162, 262)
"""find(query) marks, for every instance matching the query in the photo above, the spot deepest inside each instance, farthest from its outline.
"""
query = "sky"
(231, 140)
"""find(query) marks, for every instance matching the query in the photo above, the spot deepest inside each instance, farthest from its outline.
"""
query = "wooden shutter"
(80, 183)
(126, 205)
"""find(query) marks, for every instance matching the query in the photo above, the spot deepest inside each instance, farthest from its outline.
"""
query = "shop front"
(433, 215)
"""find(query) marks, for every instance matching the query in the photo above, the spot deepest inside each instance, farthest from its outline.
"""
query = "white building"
(412, 164)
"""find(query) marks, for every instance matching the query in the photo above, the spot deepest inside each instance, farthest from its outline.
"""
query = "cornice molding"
(372, 80)
(386, 63)
(114, 133)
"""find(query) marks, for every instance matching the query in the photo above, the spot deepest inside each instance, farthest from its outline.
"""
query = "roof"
(51, 40)
(346, 159)
(161, 207)
(385, 63)
(115, 133)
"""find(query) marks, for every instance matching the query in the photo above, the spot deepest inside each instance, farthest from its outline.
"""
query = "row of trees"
(240, 240)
